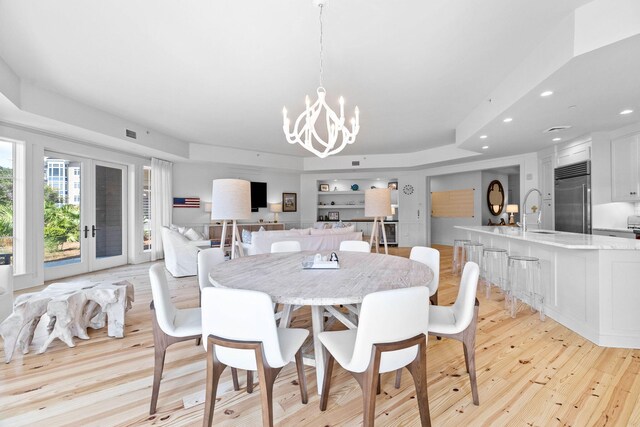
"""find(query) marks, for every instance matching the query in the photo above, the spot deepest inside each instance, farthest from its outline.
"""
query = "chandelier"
(304, 130)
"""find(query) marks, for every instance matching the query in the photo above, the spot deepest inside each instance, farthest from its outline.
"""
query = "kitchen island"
(591, 283)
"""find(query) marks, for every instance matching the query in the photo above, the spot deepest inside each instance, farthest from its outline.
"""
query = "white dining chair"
(232, 338)
(460, 321)
(431, 258)
(391, 335)
(207, 259)
(355, 246)
(285, 246)
(6, 291)
(170, 325)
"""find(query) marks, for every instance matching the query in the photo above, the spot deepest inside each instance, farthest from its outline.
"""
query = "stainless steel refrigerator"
(573, 198)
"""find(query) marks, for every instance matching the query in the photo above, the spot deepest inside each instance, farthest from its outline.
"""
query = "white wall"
(195, 180)
(442, 231)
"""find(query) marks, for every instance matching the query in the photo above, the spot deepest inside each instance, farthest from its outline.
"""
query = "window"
(146, 207)
(6, 202)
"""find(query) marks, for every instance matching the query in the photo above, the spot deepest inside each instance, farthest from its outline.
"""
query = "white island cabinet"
(591, 283)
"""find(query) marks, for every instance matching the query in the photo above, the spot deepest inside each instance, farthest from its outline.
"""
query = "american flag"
(186, 202)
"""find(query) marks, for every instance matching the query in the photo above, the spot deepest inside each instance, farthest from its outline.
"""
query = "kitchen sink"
(542, 232)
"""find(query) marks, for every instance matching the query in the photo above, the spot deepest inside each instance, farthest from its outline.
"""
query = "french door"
(85, 215)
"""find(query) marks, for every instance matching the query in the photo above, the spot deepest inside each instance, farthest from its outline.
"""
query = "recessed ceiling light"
(483, 136)
(508, 119)
(547, 93)
(484, 147)
(557, 139)
(625, 112)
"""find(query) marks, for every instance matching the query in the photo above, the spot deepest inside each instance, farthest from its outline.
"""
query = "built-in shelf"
(341, 207)
(327, 193)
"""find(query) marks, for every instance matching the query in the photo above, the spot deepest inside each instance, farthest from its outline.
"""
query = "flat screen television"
(258, 196)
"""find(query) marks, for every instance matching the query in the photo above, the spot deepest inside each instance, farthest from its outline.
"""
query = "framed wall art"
(289, 202)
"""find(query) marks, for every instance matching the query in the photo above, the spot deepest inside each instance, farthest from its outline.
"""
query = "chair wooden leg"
(434, 298)
(469, 346)
(234, 378)
(160, 351)
(161, 342)
(267, 377)
(398, 377)
(468, 339)
(418, 370)
(214, 370)
(249, 381)
(326, 384)
(369, 381)
(302, 379)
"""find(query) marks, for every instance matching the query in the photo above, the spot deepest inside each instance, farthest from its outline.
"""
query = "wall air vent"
(355, 163)
(556, 129)
(576, 169)
(131, 133)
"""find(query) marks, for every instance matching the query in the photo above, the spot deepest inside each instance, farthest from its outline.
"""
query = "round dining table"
(282, 276)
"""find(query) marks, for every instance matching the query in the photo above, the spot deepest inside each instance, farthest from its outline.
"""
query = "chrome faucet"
(524, 208)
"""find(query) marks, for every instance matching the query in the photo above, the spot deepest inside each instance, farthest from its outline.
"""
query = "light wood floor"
(529, 372)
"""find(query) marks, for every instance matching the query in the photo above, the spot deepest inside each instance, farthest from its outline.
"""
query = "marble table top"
(283, 278)
(559, 238)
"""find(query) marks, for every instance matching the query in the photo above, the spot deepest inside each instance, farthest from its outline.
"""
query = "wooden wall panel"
(452, 204)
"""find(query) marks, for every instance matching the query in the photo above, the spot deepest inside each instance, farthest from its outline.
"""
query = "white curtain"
(161, 203)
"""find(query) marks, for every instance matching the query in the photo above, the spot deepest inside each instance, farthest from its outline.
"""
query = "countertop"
(617, 230)
(559, 238)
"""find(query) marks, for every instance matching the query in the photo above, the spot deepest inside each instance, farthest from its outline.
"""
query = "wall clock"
(407, 189)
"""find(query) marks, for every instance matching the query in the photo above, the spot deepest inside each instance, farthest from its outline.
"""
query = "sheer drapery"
(161, 203)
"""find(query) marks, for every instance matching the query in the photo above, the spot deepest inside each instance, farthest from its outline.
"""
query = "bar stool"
(524, 284)
(494, 261)
(458, 255)
(473, 253)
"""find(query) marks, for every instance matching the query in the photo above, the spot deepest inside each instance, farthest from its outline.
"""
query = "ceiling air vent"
(355, 163)
(131, 133)
(556, 129)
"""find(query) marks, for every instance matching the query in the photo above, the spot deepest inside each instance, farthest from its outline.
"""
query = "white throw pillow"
(193, 235)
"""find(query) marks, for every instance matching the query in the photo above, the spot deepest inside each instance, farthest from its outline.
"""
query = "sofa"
(310, 239)
(181, 253)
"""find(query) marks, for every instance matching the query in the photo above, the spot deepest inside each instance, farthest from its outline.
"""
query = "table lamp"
(377, 204)
(276, 208)
(511, 209)
(231, 200)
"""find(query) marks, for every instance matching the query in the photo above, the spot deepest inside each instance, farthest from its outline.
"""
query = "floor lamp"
(231, 200)
(377, 204)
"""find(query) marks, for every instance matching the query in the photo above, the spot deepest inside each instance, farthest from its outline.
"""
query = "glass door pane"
(108, 224)
(62, 191)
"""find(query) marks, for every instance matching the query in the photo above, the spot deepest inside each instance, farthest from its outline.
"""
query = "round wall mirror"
(495, 197)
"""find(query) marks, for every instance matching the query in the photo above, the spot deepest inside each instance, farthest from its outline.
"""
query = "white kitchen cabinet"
(625, 172)
(546, 173)
(548, 222)
(574, 154)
